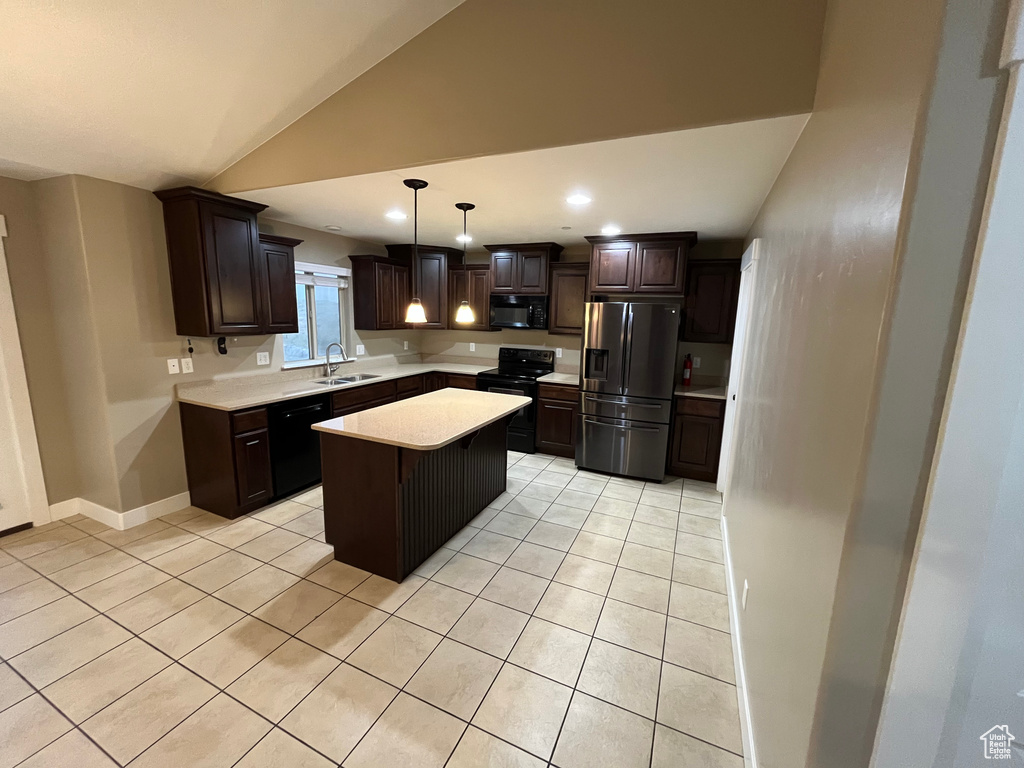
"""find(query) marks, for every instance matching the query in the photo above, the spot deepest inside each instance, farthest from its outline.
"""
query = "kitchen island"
(401, 479)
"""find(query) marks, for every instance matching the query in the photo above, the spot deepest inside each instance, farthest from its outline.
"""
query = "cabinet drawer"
(347, 398)
(695, 406)
(247, 421)
(409, 386)
(461, 381)
(558, 392)
(364, 406)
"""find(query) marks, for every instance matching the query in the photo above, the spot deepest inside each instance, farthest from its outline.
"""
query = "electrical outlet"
(696, 362)
(172, 365)
(262, 358)
(472, 347)
(745, 588)
(405, 345)
(558, 351)
(360, 349)
(186, 365)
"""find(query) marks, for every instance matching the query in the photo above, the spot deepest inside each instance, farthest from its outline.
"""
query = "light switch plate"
(696, 362)
(360, 349)
(558, 351)
(172, 365)
(405, 345)
(472, 347)
(262, 358)
(186, 365)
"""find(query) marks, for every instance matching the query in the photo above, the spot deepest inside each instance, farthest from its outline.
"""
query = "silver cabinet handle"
(624, 429)
(254, 442)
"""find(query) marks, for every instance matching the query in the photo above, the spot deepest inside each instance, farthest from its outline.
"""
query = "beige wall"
(830, 229)
(500, 76)
(91, 287)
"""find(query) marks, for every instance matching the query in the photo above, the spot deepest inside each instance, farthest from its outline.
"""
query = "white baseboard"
(746, 722)
(119, 521)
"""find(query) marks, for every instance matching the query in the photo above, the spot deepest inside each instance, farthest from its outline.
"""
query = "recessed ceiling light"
(396, 215)
(610, 229)
(464, 238)
(577, 199)
(333, 227)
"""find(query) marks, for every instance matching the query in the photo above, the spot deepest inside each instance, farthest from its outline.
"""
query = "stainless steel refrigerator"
(626, 380)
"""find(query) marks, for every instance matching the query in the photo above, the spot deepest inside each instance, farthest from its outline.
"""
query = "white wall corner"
(1013, 41)
(743, 699)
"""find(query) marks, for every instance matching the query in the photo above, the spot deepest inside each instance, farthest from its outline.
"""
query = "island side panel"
(442, 490)
(360, 485)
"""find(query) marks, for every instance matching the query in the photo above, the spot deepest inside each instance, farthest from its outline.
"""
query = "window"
(321, 294)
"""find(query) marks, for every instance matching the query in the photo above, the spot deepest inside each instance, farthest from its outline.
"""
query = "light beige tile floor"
(579, 621)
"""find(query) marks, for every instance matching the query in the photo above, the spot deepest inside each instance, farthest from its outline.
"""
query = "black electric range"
(517, 373)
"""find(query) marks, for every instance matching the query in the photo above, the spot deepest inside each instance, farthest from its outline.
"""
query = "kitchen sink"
(338, 380)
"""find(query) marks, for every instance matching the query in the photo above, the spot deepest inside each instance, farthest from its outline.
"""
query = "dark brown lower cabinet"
(433, 381)
(460, 381)
(696, 440)
(227, 459)
(361, 398)
(557, 412)
(410, 386)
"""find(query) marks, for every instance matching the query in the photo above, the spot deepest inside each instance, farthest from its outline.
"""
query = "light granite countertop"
(253, 391)
(560, 378)
(710, 393)
(426, 422)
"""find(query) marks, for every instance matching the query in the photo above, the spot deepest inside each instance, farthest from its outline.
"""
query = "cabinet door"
(503, 272)
(252, 467)
(611, 267)
(410, 386)
(479, 298)
(433, 381)
(696, 443)
(568, 298)
(659, 267)
(431, 288)
(384, 295)
(458, 291)
(556, 427)
(280, 313)
(460, 381)
(234, 272)
(401, 301)
(712, 290)
(532, 272)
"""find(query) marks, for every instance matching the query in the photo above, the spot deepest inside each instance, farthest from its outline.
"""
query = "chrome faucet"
(332, 367)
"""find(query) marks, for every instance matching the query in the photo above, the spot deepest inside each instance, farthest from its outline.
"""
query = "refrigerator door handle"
(593, 399)
(616, 426)
(628, 366)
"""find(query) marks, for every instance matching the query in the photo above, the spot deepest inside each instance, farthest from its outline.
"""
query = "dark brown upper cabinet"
(219, 277)
(429, 278)
(568, 297)
(281, 312)
(712, 293)
(651, 263)
(522, 268)
(380, 292)
(472, 283)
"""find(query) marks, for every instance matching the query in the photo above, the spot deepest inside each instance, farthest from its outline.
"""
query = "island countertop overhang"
(426, 422)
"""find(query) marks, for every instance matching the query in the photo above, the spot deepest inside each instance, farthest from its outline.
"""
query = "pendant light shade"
(465, 314)
(415, 313)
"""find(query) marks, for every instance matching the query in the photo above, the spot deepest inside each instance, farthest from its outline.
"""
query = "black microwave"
(519, 311)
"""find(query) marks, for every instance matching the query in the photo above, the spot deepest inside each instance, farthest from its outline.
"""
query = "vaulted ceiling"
(156, 93)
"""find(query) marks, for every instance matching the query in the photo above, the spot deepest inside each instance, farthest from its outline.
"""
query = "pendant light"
(465, 314)
(414, 312)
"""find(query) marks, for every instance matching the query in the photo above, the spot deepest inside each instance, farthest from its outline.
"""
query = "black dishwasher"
(294, 445)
